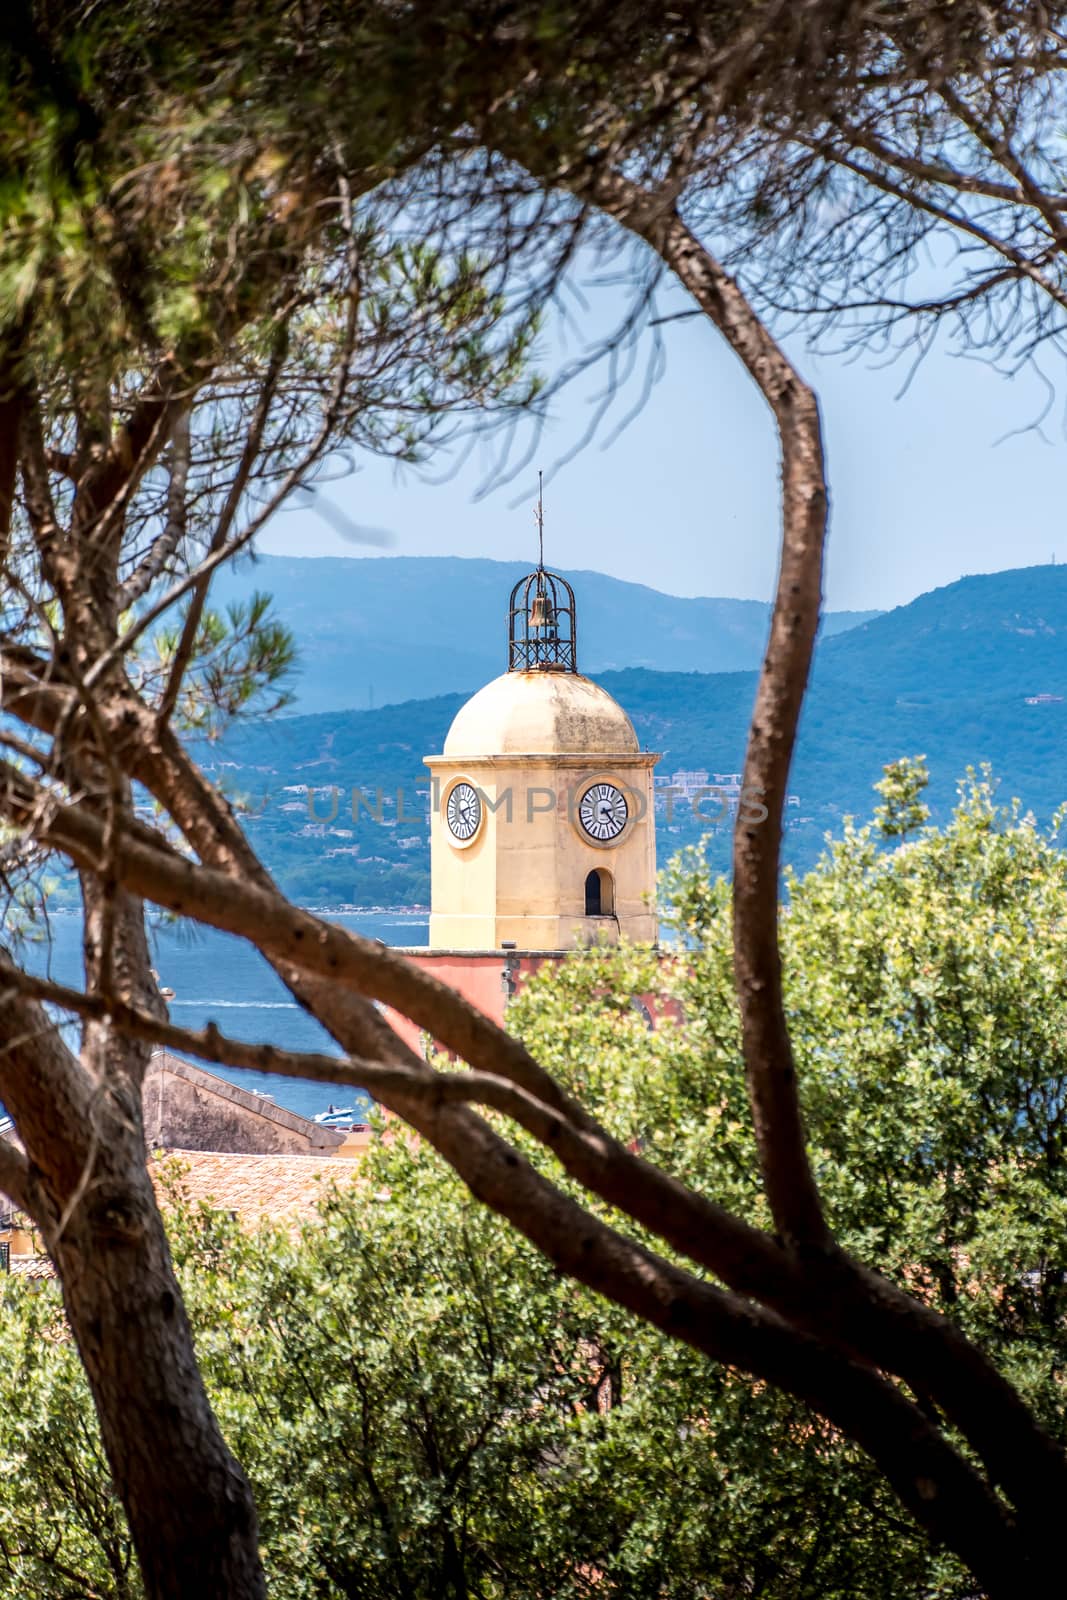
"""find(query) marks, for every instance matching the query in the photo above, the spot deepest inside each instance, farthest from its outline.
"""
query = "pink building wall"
(478, 975)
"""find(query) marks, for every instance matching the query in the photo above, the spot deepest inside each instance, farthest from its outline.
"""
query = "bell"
(541, 613)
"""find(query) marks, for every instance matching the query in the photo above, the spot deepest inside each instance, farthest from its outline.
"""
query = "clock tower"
(542, 833)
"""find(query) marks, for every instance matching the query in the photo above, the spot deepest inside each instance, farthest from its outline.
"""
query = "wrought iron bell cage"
(542, 633)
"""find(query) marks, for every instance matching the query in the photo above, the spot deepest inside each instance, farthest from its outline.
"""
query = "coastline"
(368, 911)
(319, 911)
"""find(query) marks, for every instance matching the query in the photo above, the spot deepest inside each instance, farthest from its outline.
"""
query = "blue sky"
(685, 498)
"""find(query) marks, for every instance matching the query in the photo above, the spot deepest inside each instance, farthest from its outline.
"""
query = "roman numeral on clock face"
(603, 812)
(463, 812)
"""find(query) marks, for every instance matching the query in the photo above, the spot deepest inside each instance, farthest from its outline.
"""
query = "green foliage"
(926, 999)
(902, 810)
(927, 1005)
(422, 1405)
(157, 169)
(405, 1389)
(417, 1395)
(238, 664)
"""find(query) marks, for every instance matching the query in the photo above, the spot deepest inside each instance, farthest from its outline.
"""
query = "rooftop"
(253, 1186)
(534, 713)
(226, 1093)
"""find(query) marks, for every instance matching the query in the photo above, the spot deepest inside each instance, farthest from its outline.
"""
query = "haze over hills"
(375, 631)
(949, 676)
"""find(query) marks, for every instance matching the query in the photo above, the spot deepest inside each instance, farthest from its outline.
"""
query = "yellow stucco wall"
(522, 876)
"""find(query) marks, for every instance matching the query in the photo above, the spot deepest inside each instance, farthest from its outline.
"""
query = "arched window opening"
(599, 893)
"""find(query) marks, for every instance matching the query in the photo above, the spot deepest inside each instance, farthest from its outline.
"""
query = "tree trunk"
(190, 1509)
(188, 1503)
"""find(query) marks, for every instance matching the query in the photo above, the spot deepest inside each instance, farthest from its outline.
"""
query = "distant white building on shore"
(697, 785)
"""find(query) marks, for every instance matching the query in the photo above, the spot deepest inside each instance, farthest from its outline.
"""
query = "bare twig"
(174, 527)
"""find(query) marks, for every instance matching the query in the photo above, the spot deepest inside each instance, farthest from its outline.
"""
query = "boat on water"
(342, 1117)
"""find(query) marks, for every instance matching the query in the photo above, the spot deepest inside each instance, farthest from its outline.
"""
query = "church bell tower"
(542, 833)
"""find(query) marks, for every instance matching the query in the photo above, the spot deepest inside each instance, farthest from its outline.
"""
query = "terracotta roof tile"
(32, 1267)
(253, 1186)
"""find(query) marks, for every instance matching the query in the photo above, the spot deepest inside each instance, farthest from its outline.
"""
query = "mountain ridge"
(950, 676)
(381, 630)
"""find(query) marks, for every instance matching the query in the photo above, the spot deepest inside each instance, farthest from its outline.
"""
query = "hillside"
(997, 632)
(378, 631)
(948, 675)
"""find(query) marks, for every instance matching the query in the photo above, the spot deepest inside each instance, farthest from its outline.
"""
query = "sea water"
(217, 978)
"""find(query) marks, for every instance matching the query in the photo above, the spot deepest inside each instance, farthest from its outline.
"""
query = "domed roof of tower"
(539, 713)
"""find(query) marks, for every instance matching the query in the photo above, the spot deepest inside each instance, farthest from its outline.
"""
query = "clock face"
(603, 812)
(463, 812)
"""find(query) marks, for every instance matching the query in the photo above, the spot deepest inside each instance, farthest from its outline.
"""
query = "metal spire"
(539, 518)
